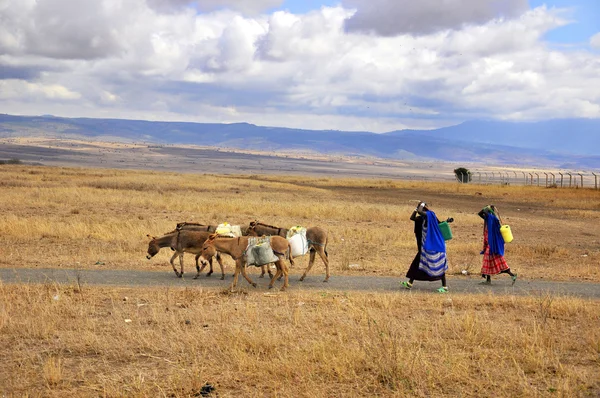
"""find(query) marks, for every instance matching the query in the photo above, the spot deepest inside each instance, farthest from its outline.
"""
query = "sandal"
(486, 282)
(443, 289)
(514, 279)
(406, 285)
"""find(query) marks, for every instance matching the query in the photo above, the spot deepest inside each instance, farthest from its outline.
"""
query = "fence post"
(546, 174)
(538, 179)
(553, 178)
(570, 179)
(524, 177)
(561, 179)
(581, 175)
(595, 180)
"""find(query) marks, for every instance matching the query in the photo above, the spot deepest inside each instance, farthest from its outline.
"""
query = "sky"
(356, 65)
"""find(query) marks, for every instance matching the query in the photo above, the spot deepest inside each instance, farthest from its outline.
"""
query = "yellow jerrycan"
(506, 233)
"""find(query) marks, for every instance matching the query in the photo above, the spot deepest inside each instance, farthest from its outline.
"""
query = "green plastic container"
(446, 231)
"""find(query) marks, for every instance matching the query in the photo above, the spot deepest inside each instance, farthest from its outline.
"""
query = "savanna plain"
(83, 340)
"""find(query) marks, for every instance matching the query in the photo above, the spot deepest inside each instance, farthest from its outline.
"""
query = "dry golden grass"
(91, 341)
(67, 217)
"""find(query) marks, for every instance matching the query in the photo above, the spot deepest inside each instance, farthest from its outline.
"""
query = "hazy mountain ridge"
(569, 136)
(478, 141)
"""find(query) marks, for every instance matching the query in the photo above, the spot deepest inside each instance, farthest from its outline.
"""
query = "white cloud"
(19, 89)
(245, 6)
(595, 41)
(304, 71)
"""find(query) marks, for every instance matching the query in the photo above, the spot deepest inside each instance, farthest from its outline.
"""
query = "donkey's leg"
(220, 261)
(277, 274)
(280, 276)
(210, 262)
(285, 270)
(262, 270)
(245, 275)
(172, 261)
(311, 262)
(181, 265)
(325, 258)
(238, 267)
(200, 269)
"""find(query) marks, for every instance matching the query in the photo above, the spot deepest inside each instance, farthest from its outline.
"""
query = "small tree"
(463, 175)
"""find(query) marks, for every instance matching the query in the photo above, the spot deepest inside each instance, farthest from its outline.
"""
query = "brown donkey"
(192, 226)
(316, 237)
(184, 241)
(236, 248)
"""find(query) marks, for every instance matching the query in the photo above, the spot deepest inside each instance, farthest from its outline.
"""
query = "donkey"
(184, 241)
(316, 237)
(236, 248)
(192, 226)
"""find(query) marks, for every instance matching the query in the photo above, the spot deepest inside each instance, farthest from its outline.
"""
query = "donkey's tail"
(289, 253)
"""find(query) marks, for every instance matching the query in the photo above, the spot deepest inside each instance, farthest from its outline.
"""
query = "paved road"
(133, 278)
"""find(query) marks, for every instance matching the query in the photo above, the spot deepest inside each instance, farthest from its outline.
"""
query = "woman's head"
(490, 209)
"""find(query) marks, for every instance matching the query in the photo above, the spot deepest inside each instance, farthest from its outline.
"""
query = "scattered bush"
(463, 175)
(11, 161)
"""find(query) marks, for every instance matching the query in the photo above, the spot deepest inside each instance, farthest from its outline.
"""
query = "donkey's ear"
(211, 237)
(252, 224)
(151, 237)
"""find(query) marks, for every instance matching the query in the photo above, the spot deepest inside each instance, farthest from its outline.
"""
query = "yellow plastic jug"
(506, 233)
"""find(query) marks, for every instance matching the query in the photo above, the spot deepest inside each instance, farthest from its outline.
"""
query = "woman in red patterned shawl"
(493, 246)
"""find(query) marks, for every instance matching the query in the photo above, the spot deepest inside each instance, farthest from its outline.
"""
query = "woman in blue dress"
(430, 263)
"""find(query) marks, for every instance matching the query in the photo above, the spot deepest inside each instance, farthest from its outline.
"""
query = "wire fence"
(546, 178)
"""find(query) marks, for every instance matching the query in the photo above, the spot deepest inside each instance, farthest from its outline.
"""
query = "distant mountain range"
(565, 143)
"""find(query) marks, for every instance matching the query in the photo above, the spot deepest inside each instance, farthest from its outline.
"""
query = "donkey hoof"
(223, 277)
(270, 287)
(262, 276)
(302, 279)
(282, 289)
(196, 277)
(326, 280)
(180, 275)
(254, 284)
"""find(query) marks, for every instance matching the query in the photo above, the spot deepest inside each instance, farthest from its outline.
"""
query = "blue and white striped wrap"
(433, 248)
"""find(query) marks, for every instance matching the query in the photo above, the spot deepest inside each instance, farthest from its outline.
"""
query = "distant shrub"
(11, 161)
(463, 175)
